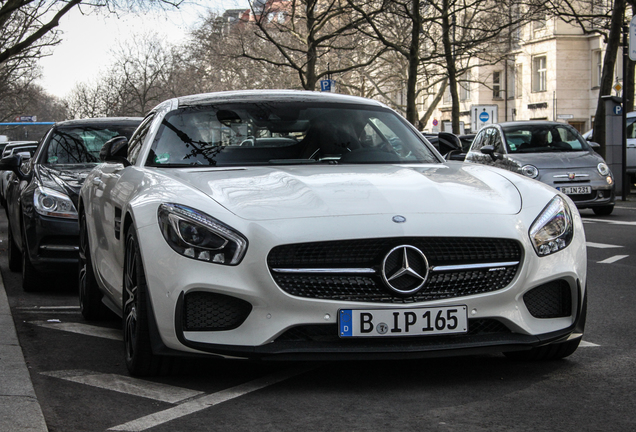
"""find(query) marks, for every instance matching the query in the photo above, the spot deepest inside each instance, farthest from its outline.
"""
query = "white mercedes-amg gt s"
(299, 225)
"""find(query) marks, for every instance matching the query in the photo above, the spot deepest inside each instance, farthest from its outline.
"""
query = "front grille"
(204, 311)
(369, 254)
(552, 300)
(329, 332)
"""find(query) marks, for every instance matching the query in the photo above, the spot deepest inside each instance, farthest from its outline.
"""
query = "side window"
(496, 141)
(137, 140)
(478, 142)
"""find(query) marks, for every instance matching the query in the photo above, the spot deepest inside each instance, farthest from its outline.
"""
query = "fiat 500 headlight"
(199, 236)
(48, 202)
(553, 229)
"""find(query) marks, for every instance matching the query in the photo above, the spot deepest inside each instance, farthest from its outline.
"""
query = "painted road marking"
(613, 259)
(613, 222)
(601, 245)
(83, 329)
(127, 385)
(584, 344)
(207, 401)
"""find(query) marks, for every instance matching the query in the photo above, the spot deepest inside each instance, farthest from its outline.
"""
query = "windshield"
(81, 144)
(272, 133)
(542, 138)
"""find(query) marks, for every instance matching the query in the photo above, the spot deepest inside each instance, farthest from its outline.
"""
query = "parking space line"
(585, 344)
(601, 245)
(127, 385)
(612, 222)
(613, 259)
(84, 329)
(203, 402)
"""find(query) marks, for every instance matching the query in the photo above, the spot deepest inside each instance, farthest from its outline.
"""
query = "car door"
(111, 185)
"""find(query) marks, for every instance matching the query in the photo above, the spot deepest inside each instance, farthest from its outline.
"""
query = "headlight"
(199, 236)
(530, 171)
(603, 169)
(553, 230)
(48, 202)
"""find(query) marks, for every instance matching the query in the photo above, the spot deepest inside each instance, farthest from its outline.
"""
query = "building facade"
(553, 72)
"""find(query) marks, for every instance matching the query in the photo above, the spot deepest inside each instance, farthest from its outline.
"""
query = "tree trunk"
(613, 42)
(414, 60)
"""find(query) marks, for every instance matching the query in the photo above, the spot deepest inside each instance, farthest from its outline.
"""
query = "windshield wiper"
(292, 161)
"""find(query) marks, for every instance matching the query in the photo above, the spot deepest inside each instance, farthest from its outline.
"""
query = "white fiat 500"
(298, 225)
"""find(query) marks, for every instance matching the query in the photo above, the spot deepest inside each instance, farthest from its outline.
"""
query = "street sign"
(565, 116)
(26, 118)
(328, 86)
(484, 116)
(632, 39)
(618, 110)
(435, 122)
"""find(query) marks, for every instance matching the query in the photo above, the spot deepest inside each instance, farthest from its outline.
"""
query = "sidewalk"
(19, 407)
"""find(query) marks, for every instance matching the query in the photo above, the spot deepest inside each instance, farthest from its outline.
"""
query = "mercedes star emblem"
(405, 269)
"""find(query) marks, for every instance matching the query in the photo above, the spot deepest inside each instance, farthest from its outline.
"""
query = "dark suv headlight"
(199, 236)
(553, 229)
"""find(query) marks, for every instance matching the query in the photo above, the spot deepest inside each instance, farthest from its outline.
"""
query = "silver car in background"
(553, 153)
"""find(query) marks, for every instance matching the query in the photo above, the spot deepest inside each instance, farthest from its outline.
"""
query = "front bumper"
(52, 243)
(284, 326)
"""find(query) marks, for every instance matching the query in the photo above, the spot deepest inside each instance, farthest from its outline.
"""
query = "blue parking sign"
(327, 85)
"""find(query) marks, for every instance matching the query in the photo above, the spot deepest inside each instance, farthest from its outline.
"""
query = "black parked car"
(41, 195)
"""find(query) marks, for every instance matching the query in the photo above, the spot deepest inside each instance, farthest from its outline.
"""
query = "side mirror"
(13, 163)
(595, 146)
(490, 150)
(115, 150)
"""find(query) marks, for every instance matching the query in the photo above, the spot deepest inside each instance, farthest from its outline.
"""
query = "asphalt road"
(82, 383)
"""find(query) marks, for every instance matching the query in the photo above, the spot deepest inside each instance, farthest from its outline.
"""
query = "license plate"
(402, 322)
(576, 190)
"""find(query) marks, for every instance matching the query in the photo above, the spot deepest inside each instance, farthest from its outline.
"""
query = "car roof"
(99, 121)
(532, 123)
(253, 96)
(12, 144)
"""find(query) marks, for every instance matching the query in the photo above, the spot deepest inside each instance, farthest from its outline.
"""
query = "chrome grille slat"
(459, 267)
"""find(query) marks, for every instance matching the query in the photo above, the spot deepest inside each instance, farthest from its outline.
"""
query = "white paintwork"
(276, 205)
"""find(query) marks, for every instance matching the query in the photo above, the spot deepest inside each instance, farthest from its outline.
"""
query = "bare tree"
(312, 38)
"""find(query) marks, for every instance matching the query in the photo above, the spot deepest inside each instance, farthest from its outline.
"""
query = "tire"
(140, 359)
(31, 279)
(604, 210)
(90, 297)
(13, 253)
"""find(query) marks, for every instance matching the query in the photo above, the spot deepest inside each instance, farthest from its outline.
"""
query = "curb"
(20, 410)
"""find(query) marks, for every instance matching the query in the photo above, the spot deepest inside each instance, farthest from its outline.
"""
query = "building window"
(496, 85)
(538, 27)
(511, 82)
(464, 86)
(539, 74)
(597, 68)
(446, 99)
(519, 80)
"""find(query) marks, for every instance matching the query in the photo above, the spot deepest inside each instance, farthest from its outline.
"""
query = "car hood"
(63, 178)
(262, 193)
(570, 160)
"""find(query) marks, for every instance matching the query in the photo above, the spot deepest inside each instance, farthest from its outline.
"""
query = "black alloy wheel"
(13, 253)
(90, 297)
(140, 359)
(31, 279)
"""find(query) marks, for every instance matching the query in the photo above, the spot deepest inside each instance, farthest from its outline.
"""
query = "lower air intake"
(204, 311)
